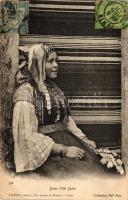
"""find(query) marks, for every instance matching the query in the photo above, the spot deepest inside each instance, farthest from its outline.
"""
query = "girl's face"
(51, 66)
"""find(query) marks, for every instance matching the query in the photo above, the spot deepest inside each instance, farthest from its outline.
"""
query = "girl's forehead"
(52, 55)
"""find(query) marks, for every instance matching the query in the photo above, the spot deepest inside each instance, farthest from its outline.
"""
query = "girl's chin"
(53, 75)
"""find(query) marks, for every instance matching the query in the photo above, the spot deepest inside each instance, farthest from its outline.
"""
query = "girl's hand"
(90, 143)
(75, 152)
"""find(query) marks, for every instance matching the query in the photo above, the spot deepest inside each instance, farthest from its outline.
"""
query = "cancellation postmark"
(111, 14)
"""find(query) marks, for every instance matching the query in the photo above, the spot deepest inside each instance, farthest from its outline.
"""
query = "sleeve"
(71, 126)
(31, 149)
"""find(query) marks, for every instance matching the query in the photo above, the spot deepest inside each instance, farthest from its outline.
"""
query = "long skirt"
(58, 166)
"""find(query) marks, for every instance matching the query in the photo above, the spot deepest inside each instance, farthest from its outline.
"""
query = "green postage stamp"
(14, 16)
(111, 14)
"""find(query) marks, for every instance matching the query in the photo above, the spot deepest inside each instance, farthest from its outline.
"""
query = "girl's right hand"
(75, 152)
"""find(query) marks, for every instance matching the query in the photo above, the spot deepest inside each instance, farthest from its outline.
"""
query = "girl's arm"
(77, 132)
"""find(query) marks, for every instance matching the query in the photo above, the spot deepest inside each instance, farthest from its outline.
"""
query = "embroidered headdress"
(37, 55)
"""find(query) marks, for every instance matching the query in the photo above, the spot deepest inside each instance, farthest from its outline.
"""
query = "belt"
(60, 126)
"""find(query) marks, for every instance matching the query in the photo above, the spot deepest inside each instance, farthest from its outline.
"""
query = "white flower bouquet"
(110, 159)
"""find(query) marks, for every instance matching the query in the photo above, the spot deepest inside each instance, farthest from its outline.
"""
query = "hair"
(24, 74)
(48, 50)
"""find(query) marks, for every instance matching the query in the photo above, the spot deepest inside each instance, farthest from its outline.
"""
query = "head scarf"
(37, 55)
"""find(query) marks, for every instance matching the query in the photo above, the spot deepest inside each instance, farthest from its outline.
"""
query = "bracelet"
(63, 150)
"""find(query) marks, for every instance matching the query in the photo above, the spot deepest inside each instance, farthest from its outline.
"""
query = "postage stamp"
(14, 16)
(111, 14)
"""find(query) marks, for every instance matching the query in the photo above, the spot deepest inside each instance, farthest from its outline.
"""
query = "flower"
(114, 154)
(104, 155)
(119, 162)
(106, 150)
(110, 156)
(114, 161)
(100, 150)
(103, 161)
(120, 169)
(110, 164)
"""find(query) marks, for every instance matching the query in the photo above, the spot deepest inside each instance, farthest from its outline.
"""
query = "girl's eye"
(52, 60)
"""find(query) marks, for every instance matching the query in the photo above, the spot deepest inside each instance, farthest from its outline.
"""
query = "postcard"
(63, 100)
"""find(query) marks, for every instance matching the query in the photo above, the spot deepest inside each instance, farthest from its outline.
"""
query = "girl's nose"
(55, 64)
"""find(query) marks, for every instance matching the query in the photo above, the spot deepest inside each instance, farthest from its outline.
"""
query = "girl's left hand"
(90, 143)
